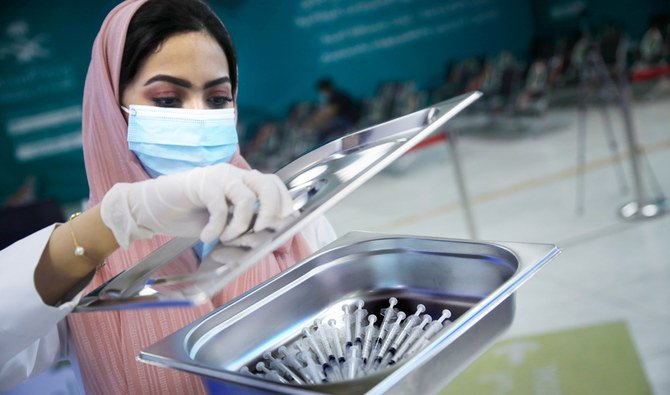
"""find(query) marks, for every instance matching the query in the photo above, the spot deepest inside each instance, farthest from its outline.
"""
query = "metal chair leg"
(460, 182)
(614, 149)
(581, 160)
(642, 205)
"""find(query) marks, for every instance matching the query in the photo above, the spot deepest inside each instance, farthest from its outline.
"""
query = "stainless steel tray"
(474, 279)
(317, 181)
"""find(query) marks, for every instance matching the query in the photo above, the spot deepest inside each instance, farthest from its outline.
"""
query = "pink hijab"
(107, 343)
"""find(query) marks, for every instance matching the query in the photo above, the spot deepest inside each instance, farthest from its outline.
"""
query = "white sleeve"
(319, 233)
(32, 334)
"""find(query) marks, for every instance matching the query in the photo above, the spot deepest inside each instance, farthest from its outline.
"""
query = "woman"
(155, 53)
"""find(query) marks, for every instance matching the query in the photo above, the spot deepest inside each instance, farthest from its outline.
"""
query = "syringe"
(270, 374)
(293, 362)
(322, 335)
(411, 339)
(334, 335)
(385, 357)
(245, 371)
(369, 335)
(409, 324)
(431, 330)
(388, 314)
(347, 325)
(323, 338)
(315, 346)
(301, 345)
(278, 365)
(323, 351)
(315, 371)
(359, 315)
(354, 361)
(332, 373)
(395, 328)
(379, 357)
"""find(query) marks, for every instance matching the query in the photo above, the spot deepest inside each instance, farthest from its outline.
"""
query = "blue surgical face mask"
(170, 140)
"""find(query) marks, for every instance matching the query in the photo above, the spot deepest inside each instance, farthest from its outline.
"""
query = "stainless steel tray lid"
(317, 181)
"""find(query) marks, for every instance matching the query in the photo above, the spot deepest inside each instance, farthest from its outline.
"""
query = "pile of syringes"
(330, 353)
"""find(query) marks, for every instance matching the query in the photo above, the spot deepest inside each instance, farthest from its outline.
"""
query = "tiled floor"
(522, 186)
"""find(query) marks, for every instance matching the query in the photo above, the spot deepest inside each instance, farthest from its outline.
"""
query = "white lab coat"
(34, 335)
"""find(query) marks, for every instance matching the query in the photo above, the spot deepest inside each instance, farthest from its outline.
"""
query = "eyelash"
(167, 101)
(223, 101)
(175, 102)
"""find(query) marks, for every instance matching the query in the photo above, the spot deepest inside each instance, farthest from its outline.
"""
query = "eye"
(167, 101)
(219, 101)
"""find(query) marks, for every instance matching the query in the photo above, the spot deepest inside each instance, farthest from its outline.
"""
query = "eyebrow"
(184, 83)
(217, 81)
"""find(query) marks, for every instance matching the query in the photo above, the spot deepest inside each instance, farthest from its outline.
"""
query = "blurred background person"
(337, 112)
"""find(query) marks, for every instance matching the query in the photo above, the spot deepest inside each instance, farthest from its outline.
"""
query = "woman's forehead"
(195, 56)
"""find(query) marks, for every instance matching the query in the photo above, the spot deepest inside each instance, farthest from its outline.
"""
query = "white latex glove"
(196, 204)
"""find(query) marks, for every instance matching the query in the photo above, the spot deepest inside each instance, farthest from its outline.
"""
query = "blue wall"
(562, 17)
(45, 48)
(286, 46)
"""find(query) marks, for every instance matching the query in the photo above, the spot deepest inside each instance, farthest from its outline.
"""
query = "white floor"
(523, 188)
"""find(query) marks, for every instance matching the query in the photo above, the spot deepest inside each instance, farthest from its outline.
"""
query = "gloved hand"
(196, 204)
